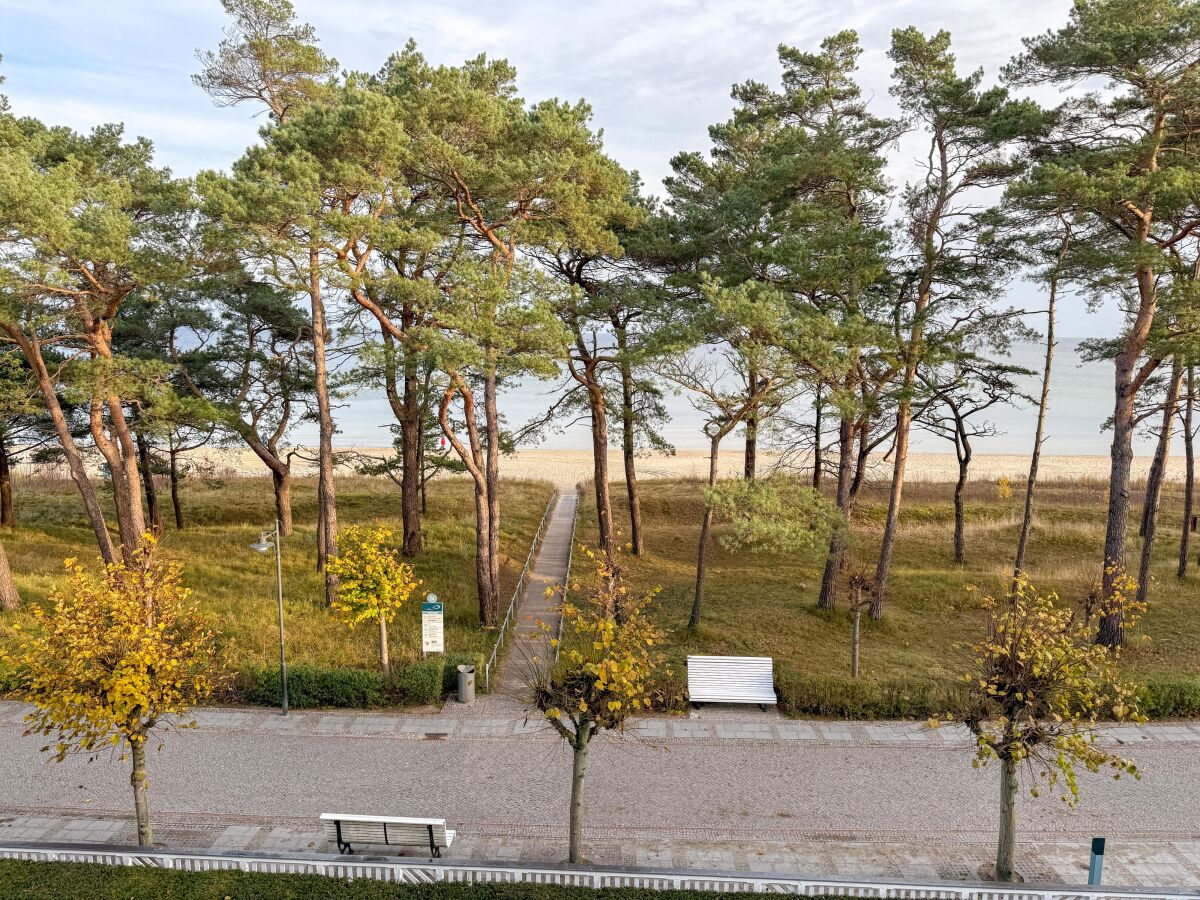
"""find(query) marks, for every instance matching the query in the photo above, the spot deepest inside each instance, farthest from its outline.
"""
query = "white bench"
(393, 831)
(731, 679)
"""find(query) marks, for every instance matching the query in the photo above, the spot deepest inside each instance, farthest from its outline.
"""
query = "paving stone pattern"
(1170, 863)
(723, 788)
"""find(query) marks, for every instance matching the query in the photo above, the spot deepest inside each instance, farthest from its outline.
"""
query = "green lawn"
(763, 604)
(236, 586)
(77, 881)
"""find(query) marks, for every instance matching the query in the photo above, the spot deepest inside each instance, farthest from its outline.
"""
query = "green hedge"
(75, 881)
(9, 682)
(1170, 697)
(417, 683)
(313, 686)
(837, 697)
(420, 682)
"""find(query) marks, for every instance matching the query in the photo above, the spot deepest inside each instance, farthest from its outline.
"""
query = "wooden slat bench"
(393, 831)
(731, 679)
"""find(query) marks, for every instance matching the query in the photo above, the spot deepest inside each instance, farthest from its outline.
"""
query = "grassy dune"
(236, 586)
(763, 604)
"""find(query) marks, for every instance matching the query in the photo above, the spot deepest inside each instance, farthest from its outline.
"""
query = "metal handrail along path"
(567, 581)
(512, 603)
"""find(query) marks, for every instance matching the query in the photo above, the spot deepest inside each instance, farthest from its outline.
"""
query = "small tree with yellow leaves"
(1037, 688)
(603, 674)
(373, 582)
(118, 653)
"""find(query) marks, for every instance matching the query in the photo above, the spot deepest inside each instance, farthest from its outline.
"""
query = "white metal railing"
(512, 603)
(567, 581)
(414, 871)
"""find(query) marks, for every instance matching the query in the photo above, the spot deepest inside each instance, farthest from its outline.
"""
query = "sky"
(657, 72)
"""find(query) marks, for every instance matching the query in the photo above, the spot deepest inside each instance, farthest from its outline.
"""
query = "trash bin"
(466, 684)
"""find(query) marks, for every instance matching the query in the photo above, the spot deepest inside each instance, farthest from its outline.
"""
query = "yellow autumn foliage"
(118, 652)
(1039, 686)
(606, 669)
(373, 582)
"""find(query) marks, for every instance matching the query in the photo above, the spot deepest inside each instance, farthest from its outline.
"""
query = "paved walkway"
(550, 568)
(725, 789)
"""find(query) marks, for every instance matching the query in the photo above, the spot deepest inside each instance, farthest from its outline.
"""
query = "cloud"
(657, 72)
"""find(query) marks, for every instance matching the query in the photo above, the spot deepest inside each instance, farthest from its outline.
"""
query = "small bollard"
(466, 684)
(1096, 869)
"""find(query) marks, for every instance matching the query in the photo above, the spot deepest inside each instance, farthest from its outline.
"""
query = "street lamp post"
(267, 540)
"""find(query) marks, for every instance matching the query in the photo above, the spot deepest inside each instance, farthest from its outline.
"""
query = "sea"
(1081, 401)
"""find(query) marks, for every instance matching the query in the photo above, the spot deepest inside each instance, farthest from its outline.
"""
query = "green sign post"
(433, 635)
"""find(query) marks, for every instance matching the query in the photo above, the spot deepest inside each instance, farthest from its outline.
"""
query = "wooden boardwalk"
(550, 568)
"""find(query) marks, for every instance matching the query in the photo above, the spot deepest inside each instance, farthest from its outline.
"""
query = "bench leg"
(433, 847)
(343, 846)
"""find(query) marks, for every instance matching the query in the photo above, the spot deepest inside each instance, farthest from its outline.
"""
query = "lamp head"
(262, 545)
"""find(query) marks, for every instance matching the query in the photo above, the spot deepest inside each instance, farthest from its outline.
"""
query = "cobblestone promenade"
(721, 789)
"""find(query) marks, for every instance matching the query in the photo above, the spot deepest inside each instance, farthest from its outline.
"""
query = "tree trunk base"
(987, 872)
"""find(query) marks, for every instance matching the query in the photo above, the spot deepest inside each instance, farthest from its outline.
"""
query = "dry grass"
(762, 604)
(236, 586)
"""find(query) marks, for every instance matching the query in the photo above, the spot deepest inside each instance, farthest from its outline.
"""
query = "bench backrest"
(731, 679)
(383, 829)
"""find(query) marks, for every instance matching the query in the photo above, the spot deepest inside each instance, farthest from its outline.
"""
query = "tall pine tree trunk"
(281, 480)
(750, 467)
(705, 527)
(1189, 487)
(10, 597)
(1154, 482)
(891, 526)
(423, 478)
(1128, 377)
(474, 459)
(120, 453)
(1039, 436)
(411, 430)
(146, 470)
(834, 559)
(326, 497)
(1111, 631)
(280, 467)
(960, 525)
(628, 445)
(176, 504)
(31, 350)
(8, 518)
(599, 422)
(818, 457)
(750, 462)
(887, 547)
(489, 601)
(407, 410)
(492, 422)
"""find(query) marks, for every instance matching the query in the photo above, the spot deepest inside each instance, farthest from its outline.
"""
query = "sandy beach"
(567, 467)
